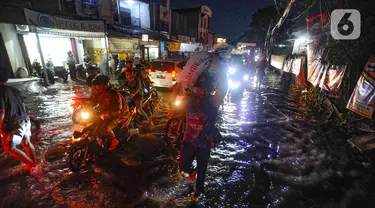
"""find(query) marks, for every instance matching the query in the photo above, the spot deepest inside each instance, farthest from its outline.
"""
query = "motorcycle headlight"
(246, 77)
(85, 115)
(178, 102)
(232, 70)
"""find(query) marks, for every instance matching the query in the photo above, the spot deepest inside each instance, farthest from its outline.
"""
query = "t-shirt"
(11, 103)
(200, 118)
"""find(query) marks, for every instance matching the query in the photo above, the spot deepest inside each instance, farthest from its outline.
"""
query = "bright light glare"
(85, 115)
(255, 79)
(178, 102)
(235, 85)
(246, 77)
(130, 2)
(302, 39)
(232, 70)
(256, 57)
(229, 82)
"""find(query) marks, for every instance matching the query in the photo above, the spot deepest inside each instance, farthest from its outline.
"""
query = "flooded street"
(273, 154)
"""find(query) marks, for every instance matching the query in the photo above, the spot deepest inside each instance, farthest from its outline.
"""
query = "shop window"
(130, 13)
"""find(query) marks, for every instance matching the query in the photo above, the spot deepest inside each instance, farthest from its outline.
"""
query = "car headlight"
(85, 115)
(232, 70)
(246, 77)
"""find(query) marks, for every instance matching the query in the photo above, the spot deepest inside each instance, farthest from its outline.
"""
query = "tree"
(259, 25)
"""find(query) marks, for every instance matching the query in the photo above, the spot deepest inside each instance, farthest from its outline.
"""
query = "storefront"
(124, 49)
(58, 36)
(176, 49)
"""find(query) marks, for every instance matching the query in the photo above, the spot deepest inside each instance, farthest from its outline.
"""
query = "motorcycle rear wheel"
(79, 158)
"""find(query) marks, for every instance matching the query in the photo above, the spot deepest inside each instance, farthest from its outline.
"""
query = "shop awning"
(132, 32)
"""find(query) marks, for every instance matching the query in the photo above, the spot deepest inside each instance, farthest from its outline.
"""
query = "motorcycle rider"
(112, 106)
(135, 87)
(87, 61)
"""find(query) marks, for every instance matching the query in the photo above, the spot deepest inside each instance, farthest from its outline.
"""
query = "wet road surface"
(273, 154)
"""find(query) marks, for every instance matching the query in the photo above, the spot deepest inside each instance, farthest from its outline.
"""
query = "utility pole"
(45, 75)
(169, 18)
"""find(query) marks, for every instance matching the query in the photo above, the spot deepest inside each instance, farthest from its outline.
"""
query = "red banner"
(317, 30)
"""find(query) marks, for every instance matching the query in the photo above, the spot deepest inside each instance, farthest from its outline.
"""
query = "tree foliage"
(260, 22)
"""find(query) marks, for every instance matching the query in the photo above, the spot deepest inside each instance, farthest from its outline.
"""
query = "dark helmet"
(100, 79)
(138, 67)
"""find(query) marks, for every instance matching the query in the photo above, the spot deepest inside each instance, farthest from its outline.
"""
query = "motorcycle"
(175, 128)
(238, 81)
(88, 144)
(62, 72)
(81, 71)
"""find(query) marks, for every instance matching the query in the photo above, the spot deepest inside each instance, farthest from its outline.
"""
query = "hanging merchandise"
(363, 96)
(318, 33)
(332, 78)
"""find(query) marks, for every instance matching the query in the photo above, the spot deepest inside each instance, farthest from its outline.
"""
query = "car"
(163, 73)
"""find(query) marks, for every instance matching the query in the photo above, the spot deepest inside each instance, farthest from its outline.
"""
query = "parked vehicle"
(163, 73)
(62, 72)
(81, 71)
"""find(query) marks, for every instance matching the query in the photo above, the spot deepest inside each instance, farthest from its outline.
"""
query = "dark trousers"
(72, 70)
(187, 154)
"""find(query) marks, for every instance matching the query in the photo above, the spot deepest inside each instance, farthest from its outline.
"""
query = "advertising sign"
(173, 46)
(44, 23)
(163, 14)
(363, 96)
(122, 45)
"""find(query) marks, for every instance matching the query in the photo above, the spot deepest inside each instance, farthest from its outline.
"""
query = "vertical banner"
(318, 32)
(363, 96)
(163, 14)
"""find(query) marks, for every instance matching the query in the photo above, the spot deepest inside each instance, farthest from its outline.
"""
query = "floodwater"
(273, 154)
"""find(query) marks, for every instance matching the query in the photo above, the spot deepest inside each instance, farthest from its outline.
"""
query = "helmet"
(223, 51)
(100, 79)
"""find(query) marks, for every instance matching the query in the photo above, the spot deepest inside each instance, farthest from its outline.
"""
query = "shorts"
(21, 132)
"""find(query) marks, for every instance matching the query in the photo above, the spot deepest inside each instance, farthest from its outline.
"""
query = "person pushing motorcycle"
(111, 105)
(135, 88)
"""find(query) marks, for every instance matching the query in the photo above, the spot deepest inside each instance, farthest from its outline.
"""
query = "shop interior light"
(130, 2)
(302, 39)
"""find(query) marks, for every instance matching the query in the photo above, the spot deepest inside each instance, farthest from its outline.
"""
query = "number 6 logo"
(345, 24)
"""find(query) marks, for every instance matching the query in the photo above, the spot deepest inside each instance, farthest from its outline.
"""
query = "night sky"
(230, 18)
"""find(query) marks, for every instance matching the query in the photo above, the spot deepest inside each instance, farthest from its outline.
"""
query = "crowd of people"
(202, 106)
